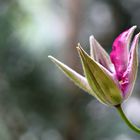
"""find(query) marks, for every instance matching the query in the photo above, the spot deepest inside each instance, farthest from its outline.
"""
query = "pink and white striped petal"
(120, 52)
(129, 77)
(98, 53)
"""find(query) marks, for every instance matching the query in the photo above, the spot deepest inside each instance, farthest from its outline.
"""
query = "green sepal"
(107, 91)
(78, 79)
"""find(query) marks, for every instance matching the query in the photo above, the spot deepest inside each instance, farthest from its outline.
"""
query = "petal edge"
(98, 53)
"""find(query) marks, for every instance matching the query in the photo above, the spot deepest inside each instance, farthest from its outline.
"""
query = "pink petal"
(129, 77)
(120, 52)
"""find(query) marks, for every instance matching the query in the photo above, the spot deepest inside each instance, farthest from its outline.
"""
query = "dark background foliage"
(37, 102)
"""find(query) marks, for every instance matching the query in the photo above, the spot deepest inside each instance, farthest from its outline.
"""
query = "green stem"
(133, 127)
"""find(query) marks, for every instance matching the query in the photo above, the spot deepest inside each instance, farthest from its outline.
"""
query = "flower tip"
(132, 28)
(131, 31)
(78, 48)
(52, 58)
(49, 56)
(91, 38)
(136, 39)
(138, 34)
(78, 44)
(135, 26)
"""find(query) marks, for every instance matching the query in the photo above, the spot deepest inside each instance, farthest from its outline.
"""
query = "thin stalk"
(123, 116)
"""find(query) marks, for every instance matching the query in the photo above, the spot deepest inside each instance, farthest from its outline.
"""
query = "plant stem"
(133, 127)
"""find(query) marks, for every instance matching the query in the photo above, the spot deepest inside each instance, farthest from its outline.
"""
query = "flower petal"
(101, 83)
(98, 53)
(78, 79)
(129, 76)
(120, 51)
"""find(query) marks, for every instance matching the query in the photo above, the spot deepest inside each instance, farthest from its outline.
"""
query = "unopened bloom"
(108, 78)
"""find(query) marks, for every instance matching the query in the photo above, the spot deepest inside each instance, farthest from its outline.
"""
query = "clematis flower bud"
(110, 79)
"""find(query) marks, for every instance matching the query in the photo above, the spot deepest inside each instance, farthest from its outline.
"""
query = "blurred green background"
(37, 102)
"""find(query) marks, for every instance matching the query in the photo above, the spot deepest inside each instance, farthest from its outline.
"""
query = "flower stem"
(133, 127)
